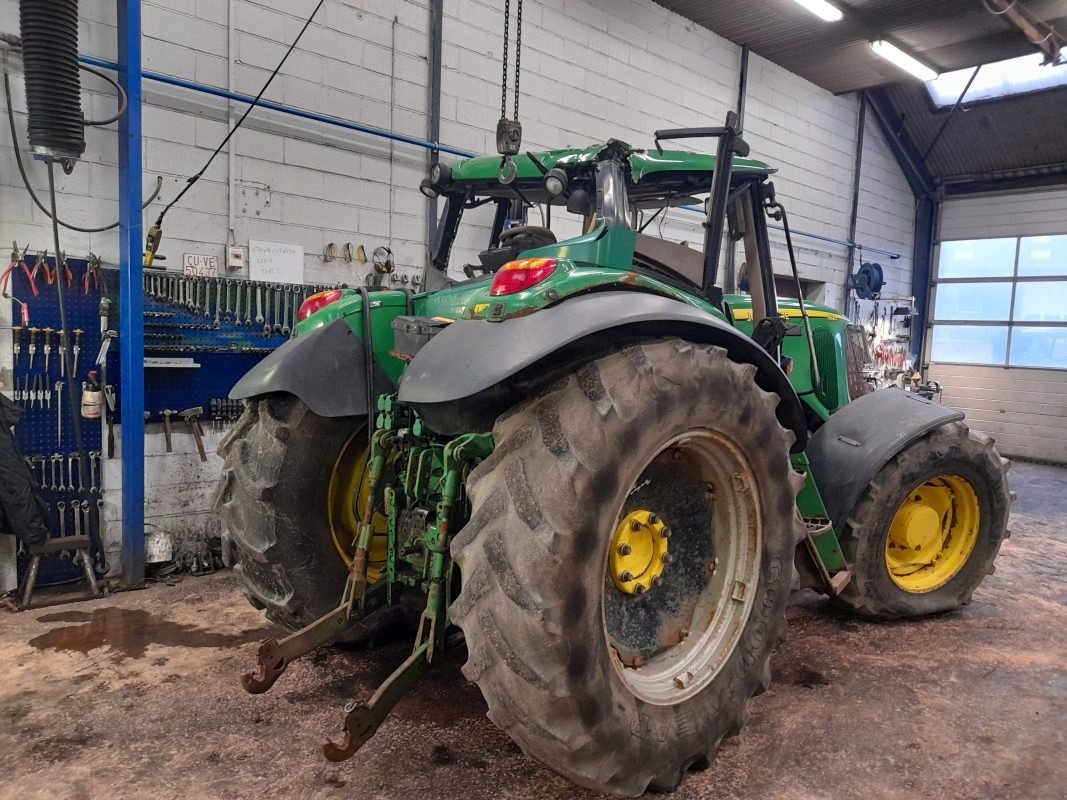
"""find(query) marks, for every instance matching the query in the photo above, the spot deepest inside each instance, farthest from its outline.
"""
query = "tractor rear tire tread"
(271, 514)
(553, 470)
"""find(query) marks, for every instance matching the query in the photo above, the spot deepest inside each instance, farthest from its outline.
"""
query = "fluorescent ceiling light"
(897, 56)
(1000, 79)
(823, 10)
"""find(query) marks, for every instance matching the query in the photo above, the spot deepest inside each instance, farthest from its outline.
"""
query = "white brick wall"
(592, 69)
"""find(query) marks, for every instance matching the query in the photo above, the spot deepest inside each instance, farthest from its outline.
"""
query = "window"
(1001, 302)
(1019, 75)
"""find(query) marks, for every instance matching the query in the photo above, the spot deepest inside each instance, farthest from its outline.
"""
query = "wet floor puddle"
(128, 632)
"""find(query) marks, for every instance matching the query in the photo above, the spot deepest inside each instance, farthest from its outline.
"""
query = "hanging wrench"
(57, 459)
(266, 318)
(229, 315)
(296, 305)
(70, 471)
(285, 319)
(94, 459)
(218, 299)
(259, 303)
(277, 302)
(207, 298)
(237, 308)
(77, 519)
(61, 507)
(248, 304)
(86, 525)
(196, 297)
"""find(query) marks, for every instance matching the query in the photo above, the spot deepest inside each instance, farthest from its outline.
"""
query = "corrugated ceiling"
(947, 34)
(1026, 133)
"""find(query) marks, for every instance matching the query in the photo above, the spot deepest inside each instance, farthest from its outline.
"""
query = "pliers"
(94, 271)
(17, 261)
(42, 264)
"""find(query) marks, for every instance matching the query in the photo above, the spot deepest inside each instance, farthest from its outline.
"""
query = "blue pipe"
(131, 295)
(396, 137)
(295, 112)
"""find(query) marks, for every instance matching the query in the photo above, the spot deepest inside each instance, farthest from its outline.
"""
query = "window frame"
(1011, 323)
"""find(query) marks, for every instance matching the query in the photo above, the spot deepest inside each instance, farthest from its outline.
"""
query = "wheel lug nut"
(652, 519)
(625, 550)
(639, 589)
(626, 576)
(665, 533)
(635, 526)
(666, 558)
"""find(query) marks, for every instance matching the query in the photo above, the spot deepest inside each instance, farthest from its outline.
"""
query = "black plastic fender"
(857, 441)
(474, 357)
(324, 368)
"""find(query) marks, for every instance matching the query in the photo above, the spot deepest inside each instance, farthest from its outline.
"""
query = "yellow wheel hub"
(638, 552)
(933, 534)
(346, 480)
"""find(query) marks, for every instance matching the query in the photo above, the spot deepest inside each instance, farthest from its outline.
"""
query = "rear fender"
(465, 376)
(325, 368)
(858, 440)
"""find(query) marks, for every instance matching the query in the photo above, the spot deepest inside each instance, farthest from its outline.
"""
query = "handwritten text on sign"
(199, 265)
(275, 262)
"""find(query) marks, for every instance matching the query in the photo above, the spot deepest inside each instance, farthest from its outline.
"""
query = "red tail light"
(317, 302)
(522, 274)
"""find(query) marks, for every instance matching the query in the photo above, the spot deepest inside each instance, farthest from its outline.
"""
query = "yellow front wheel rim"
(933, 534)
(346, 479)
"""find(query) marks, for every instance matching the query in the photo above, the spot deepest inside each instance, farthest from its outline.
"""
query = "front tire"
(927, 529)
(558, 642)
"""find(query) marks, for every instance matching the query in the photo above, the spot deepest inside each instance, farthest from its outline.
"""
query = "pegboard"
(38, 432)
(194, 320)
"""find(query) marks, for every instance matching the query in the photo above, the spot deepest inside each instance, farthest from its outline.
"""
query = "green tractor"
(605, 473)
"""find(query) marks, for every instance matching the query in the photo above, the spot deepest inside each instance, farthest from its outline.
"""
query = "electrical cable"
(123, 101)
(190, 181)
(65, 354)
(26, 179)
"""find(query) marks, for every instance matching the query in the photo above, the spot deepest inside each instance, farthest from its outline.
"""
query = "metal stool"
(80, 544)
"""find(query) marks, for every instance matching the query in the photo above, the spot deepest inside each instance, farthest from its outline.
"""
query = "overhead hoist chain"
(509, 131)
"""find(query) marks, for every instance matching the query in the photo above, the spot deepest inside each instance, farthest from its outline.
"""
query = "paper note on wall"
(275, 262)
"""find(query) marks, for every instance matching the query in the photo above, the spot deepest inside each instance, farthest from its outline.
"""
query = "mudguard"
(472, 357)
(857, 441)
(324, 368)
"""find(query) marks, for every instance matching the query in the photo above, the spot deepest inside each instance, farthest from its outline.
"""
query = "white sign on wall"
(275, 262)
(200, 265)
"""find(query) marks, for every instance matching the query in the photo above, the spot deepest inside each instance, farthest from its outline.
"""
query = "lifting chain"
(509, 131)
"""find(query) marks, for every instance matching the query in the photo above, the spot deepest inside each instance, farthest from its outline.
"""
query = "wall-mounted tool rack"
(45, 434)
(203, 333)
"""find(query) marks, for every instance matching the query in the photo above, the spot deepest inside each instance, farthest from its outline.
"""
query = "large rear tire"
(574, 661)
(927, 529)
(273, 500)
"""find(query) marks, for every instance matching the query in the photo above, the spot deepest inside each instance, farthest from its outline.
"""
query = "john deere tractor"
(590, 467)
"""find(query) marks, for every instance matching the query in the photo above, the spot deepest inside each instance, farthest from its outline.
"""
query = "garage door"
(998, 342)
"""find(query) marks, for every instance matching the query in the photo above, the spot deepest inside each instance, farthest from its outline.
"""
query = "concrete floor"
(136, 695)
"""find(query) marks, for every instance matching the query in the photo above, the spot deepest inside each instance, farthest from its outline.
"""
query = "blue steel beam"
(131, 296)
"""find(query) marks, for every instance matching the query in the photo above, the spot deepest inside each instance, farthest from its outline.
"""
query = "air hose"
(53, 84)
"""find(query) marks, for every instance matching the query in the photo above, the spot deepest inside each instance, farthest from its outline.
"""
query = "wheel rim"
(342, 506)
(933, 534)
(682, 569)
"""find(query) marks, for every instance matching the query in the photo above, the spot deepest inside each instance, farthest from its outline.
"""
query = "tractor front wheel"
(928, 527)
(627, 564)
